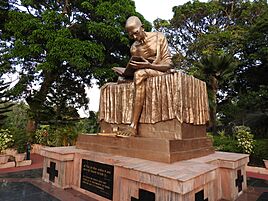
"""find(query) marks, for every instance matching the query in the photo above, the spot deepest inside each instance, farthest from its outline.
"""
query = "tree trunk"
(31, 126)
(213, 108)
(36, 102)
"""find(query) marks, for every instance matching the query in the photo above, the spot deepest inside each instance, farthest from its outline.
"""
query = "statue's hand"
(140, 64)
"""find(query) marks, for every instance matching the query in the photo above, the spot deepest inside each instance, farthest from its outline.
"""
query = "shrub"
(89, 125)
(225, 143)
(21, 137)
(234, 143)
(56, 135)
(242, 142)
(41, 134)
(6, 139)
(260, 152)
(18, 117)
(15, 122)
(221, 133)
(244, 138)
(65, 135)
(210, 135)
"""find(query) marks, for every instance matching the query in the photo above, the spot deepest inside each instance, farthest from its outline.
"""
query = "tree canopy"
(200, 33)
(57, 47)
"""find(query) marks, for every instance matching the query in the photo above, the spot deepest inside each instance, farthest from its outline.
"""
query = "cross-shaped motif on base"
(199, 196)
(239, 180)
(144, 196)
(52, 171)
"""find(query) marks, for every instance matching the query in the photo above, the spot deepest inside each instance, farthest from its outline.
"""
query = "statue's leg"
(139, 82)
(140, 93)
(140, 78)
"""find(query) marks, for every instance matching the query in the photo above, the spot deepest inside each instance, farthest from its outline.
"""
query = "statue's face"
(135, 32)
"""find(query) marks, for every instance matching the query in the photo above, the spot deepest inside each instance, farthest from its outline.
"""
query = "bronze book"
(129, 70)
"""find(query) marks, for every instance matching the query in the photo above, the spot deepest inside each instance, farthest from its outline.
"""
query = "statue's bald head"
(133, 21)
(135, 28)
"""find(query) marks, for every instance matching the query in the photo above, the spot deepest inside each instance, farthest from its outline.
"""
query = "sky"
(151, 10)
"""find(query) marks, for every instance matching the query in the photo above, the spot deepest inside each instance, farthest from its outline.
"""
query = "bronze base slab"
(170, 129)
(154, 149)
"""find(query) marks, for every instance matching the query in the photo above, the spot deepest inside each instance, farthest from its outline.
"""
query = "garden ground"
(25, 184)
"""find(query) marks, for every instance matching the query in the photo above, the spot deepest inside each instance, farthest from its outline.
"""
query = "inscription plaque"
(97, 178)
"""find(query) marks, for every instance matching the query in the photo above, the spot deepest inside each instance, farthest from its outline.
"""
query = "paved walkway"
(25, 184)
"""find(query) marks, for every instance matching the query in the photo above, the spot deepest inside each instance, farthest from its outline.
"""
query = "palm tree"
(215, 70)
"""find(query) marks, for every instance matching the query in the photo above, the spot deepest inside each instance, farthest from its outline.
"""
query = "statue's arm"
(163, 53)
(160, 67)
(146, 64)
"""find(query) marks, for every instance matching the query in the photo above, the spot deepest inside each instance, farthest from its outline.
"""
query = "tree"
(200, 30)
(215, 70)
(252, 86)
(255, 55)
(17, 117)
(4, 7)
(61, 45)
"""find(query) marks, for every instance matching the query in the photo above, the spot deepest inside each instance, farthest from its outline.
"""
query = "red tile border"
(257, 175)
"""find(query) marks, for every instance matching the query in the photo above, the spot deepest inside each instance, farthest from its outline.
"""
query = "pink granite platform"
(216, 176)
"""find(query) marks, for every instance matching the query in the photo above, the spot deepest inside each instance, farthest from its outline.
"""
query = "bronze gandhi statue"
(153, 48)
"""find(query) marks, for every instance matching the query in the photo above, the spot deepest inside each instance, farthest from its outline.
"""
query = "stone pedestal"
(106, 176)
(156, 149)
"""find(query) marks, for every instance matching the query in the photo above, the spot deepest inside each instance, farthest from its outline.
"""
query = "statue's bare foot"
(127, 132)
